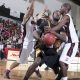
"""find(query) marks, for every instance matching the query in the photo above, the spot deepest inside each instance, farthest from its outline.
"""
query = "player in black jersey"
(47, 54)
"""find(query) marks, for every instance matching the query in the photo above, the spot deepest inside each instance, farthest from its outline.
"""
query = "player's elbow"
(64, 39)
(36, 35)
(63, 36)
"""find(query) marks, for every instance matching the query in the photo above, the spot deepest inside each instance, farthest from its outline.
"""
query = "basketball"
(49, 39)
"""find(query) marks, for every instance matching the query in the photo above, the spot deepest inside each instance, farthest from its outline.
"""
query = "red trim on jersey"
(21, 47)
(70, 51)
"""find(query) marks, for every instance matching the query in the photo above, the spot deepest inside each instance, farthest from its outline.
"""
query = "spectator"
(10, 33)
(2, 53)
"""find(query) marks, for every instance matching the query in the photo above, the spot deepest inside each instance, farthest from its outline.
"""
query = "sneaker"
(38, 73)
(6, 74)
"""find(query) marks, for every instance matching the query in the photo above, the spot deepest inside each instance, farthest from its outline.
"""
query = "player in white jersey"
(27, 28)
(71, 44)
(28, 43)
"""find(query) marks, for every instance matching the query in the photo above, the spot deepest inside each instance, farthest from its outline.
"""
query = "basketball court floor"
(19, 72)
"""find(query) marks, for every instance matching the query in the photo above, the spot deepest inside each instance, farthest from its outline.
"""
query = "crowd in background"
(9, 36)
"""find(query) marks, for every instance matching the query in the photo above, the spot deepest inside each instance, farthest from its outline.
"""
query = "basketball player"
(47, 54)
(27, 29)
(27, 43)
(71, 46)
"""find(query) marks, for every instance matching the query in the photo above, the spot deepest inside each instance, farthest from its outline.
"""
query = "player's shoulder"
(66, 17)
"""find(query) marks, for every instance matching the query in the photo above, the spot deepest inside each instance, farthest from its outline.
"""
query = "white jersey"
(71, 32)
(28, 41)
(28, 30)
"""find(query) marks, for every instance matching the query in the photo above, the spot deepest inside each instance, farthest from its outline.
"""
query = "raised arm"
(37, 34)
(40, 15)
(28, 12)
(61, 24)
(61, 36)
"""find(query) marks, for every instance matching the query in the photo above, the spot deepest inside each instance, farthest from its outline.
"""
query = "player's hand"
(33, 1)
(48, 29)
(41, 39)
(46, 7)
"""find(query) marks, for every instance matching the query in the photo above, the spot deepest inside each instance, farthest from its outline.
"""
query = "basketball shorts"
(27, 48)
(49, 57)
(69, 52)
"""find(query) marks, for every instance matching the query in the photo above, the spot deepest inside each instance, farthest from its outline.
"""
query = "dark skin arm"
(28, 11)
(61, 36)
(64, 20)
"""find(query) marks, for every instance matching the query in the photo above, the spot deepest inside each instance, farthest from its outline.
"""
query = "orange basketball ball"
(49, 39)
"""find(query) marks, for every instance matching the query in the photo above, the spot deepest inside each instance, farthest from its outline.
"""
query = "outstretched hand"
(33, 1)
(46, 7)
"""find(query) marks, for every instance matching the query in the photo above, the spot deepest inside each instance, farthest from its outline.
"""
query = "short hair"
(39, 22)
(67, 5)
(55, 11)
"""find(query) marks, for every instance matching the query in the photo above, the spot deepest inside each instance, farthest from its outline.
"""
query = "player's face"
(62, 10)
(56, 15)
